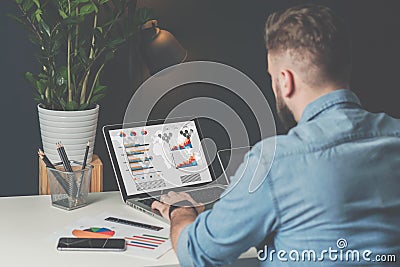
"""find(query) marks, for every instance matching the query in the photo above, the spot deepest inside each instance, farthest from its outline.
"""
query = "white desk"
(29, 227)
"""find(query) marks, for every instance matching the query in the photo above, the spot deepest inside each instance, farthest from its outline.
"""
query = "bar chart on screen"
(155, 157)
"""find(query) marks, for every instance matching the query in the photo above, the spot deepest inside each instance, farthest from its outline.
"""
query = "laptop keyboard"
(205, 195)
(148, 201)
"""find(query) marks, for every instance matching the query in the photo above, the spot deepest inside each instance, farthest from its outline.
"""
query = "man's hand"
(171, 198)
(180, 217)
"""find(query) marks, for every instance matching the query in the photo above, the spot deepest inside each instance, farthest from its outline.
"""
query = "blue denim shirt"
(333, 185)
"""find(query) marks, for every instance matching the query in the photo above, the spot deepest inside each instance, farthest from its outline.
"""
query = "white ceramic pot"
(72, 128)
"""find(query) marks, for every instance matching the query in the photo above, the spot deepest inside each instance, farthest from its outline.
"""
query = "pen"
(133, 223)
(86, 155)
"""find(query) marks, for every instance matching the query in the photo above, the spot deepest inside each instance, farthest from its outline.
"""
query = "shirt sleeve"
(241, 219)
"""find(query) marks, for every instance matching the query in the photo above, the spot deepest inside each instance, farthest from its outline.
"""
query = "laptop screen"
(157, 157)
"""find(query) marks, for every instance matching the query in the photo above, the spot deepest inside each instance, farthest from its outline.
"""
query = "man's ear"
(287, 83)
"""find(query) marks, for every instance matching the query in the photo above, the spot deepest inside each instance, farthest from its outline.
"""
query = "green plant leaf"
(74, 20)
(83, 56)
(88, 9)
(96, 9)
(63, 72)
(30, 78)
(37, 98)
(77, 2)
(18, 1)
(44, 27)
(55, 48)
(27, 5)
(42, 76)
(96, 98)
(72, 105)
(63, 104)
(62, 14)
(61, 91)
(98, 89)
(38, 15)
(41, 86)
(83, 106)
(37, 3)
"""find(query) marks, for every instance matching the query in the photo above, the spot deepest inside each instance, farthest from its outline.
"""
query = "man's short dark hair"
(312, 34)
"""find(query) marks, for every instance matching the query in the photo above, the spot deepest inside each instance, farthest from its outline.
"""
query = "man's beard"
(285, 115)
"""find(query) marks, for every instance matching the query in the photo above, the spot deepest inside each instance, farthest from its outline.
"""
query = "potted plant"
(76, 39)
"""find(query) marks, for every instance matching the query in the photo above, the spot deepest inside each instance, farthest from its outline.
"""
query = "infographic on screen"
(159, 157)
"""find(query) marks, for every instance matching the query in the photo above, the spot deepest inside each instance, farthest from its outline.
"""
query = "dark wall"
(225, 31)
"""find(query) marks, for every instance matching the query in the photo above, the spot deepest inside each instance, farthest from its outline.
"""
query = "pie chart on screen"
(94, 232)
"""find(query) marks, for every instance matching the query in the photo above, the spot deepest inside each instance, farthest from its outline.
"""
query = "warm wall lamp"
(159, 48)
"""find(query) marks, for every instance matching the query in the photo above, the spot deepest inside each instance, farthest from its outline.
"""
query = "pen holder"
(69, 190)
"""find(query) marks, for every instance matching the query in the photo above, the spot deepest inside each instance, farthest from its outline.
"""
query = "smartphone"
(91, 244)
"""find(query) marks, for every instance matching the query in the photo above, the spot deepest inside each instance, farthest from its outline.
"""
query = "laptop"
(152, 158)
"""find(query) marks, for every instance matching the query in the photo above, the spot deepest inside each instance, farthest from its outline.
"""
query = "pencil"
(66, 158)
(71, 180)
(45, 159)
(50, 165)
(62, 157)
(83, 173)
(86, 155)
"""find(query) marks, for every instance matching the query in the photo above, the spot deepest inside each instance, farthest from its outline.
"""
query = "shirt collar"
(326, 101)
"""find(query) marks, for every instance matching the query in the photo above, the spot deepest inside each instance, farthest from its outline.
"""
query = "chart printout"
(159, 157)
